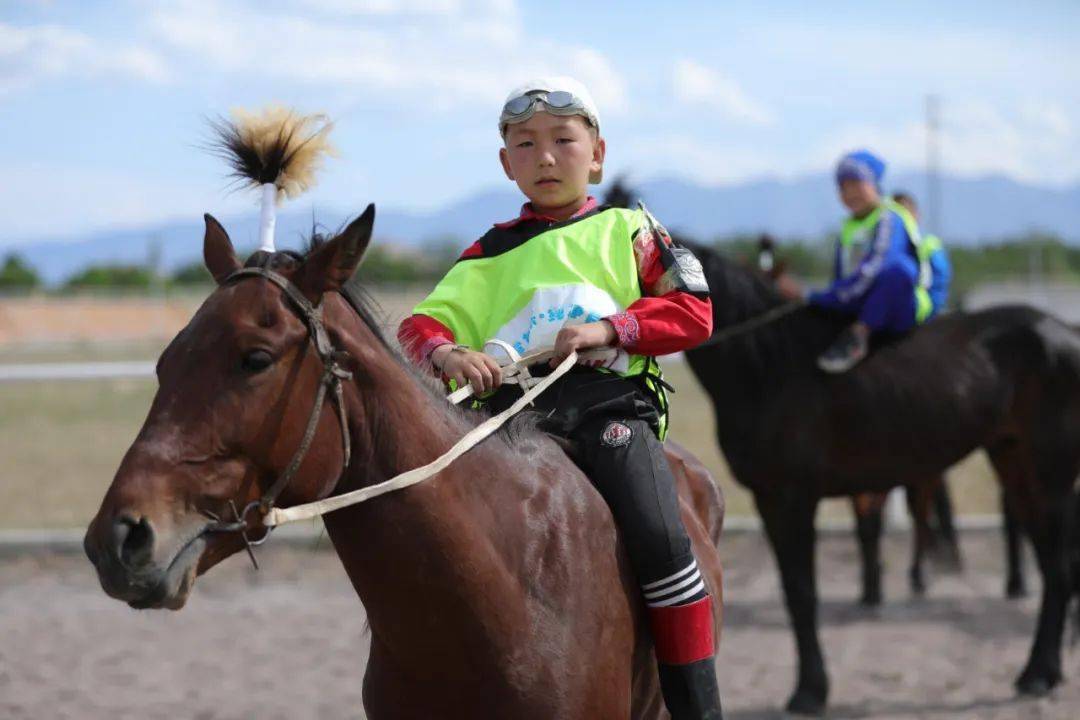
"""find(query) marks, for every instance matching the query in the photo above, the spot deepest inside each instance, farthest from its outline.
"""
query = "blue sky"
(103, 105)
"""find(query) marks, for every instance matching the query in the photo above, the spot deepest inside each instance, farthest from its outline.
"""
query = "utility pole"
(932, 216)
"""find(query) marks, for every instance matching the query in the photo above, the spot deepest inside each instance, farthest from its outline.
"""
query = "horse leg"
(918, 501)
(1044, 502)
(789, 524)
(945, 547)
(868, 522)
(1015, 585)
(1043, 670)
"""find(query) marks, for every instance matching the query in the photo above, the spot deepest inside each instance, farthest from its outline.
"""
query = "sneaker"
(845, 352)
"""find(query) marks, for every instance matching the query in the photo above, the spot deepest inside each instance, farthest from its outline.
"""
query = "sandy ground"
(67, 651)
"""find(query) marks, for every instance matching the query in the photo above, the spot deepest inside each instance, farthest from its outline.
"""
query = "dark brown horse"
(934, 533)
(1006, 379)
(497, 589)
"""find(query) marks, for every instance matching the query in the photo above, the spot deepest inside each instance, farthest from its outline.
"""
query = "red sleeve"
(666, 324)
(663, 321)
(420, 334)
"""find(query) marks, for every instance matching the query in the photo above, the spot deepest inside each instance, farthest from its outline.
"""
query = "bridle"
(332, 376)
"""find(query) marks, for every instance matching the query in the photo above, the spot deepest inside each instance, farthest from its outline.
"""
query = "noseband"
(332, 376)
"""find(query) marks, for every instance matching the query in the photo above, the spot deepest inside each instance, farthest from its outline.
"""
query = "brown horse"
(497, 589)
(1005, 379)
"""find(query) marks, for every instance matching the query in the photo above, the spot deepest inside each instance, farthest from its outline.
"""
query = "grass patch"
(62, 441)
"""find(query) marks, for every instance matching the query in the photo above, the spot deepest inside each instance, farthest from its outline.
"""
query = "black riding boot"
(683, 637)
(690, 691)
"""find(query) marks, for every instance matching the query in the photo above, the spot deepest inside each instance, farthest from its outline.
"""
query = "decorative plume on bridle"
(277, 151)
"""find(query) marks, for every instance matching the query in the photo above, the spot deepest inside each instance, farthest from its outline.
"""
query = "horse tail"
(1074, 558)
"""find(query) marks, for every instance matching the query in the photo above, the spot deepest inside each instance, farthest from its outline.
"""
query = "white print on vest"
(551, 308)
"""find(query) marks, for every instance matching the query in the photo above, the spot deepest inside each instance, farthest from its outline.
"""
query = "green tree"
(383, 265)
(193, 273)
(128, 277)
(17, 274)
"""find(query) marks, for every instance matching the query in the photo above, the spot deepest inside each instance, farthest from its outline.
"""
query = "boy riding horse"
(880, 277)
(569, 273)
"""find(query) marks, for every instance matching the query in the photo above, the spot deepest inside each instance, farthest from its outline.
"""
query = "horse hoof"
(870, 600)
(1035, 685)
(1015, 590)
(805, 703)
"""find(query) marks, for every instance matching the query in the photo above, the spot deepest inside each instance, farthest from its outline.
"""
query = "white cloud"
(383, 7)
(442, 54)
(922, 56)
(34, 53)
(705, 160)
(1034, 143)
(1049, 118)
(67, 199)
(701, 86)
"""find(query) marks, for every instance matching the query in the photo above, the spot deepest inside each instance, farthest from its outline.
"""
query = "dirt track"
(67, 651)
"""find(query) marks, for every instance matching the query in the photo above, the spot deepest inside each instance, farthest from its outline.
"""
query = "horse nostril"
(134, 540)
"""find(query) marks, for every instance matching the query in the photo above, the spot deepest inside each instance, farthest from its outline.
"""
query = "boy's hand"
(582, 337)
(468, 366)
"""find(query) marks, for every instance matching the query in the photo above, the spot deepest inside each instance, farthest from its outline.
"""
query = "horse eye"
(256, 360)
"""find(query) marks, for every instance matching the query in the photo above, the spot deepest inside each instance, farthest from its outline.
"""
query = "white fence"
(75, 371)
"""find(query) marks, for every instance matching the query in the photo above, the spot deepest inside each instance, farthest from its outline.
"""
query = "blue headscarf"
(861, 165)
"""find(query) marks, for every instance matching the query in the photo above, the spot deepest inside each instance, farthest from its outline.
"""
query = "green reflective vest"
(524, 290)
(856, 233)
(930, 244)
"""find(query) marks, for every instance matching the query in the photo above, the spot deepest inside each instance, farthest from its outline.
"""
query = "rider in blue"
(877, 267)
(931, 250)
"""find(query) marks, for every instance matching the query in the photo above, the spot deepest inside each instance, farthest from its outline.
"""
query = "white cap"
(567, 84)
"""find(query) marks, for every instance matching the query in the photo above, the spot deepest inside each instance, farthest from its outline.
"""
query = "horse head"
(235, 393)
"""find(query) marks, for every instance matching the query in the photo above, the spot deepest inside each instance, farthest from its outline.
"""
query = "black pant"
(613, 422)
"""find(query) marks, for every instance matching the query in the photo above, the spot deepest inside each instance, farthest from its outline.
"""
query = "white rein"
(514, 372)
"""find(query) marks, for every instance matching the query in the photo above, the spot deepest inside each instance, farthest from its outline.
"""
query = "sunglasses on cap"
(556, 102)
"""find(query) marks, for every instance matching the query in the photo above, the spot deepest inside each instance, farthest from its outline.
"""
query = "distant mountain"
(974, 211)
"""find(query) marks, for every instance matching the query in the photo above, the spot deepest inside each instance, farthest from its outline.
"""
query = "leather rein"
(330, 382)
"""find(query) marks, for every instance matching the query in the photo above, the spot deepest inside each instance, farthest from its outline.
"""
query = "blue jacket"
(941, 272)
(866, 248)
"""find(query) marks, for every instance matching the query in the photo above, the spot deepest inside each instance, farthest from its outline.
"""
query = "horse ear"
(218, 253)
(331, 265)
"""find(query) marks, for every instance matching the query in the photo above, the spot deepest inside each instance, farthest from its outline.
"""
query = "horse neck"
(434, 545)
(739, 297)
